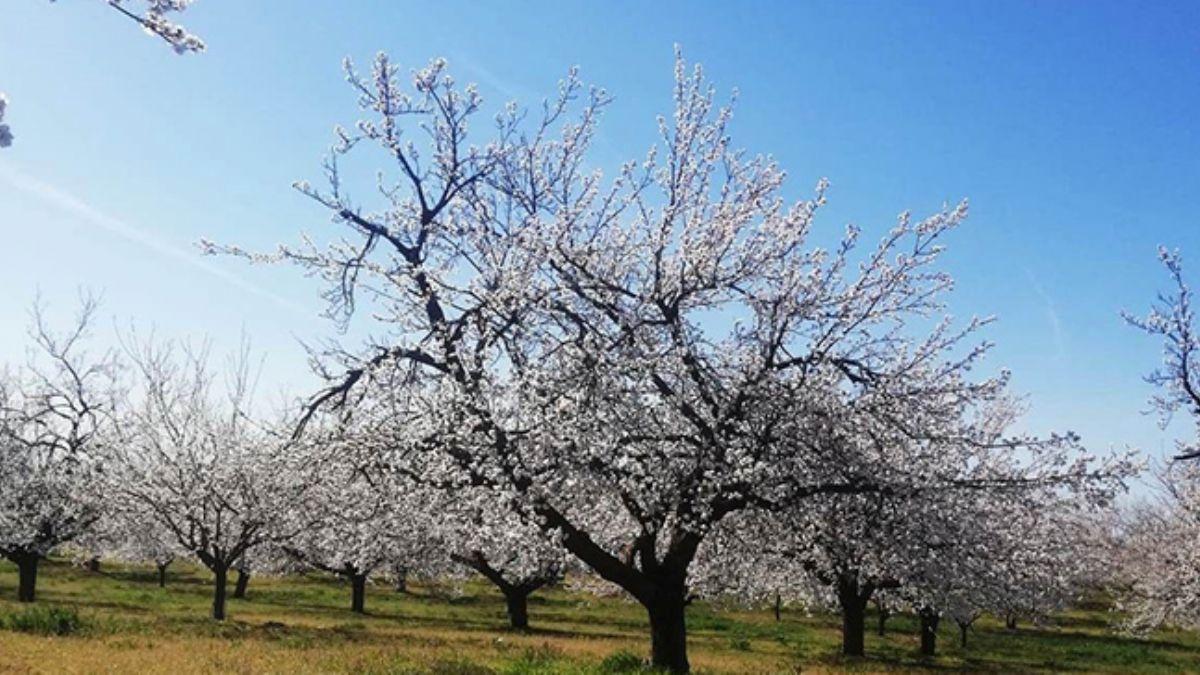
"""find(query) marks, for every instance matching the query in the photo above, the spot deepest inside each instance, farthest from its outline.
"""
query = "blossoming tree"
(55, 420)
(354, 524)
(671, 342)
(194, 460)
(518, 559)
(965, 520)
(1159, 553)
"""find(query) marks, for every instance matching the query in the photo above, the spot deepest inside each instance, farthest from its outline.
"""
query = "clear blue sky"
(1071, 126)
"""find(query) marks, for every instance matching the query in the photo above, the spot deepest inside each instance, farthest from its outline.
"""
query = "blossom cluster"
(6, 135)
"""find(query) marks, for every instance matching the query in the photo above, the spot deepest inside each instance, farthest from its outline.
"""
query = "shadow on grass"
(1105, 639)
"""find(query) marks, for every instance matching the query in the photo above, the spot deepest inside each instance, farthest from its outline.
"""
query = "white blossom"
(630, 362)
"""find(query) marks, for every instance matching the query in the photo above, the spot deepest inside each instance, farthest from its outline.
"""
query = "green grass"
(120, 621)
(42, 620)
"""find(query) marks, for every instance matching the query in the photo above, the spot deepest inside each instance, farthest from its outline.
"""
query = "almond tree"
(963, 525)
(195, 462)
(669, 342)
(517, 558)
(1159, 555)
(1032, 556)
(354, 524)
(55, 414)
(267, 558)
(125, 534)
(374, 509)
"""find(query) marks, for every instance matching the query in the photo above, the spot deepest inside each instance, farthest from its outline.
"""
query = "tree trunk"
(162, 575)
(218, 611)
(1010, 621)
(27, 568)
(852, 599)
(668, 629)
(854, 624)
(883, 617)
(401, 581)
(243, 579)
(93, 564)
(929, 626)
(962, 634)
(358, 594)
(516, 596)
(517, 600)
(660, 586)
(778, 607)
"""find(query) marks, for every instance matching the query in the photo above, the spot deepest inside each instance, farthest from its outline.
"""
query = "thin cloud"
(70, 204)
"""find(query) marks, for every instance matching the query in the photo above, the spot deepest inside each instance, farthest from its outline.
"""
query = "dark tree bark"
(1010, 621)
(356, 576)
(516, 596)
(929, 626)
(659, 584)
(27, 569)
(162, 574)
(668, 629)
(239, 589)
(517, 601)
(854, 620)
(401, 581)
(358, 593)
(220, 576)
(962, 633)
(93, 564)
(852, 599)
(778, 607)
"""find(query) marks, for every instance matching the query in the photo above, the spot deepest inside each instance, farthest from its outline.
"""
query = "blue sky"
(1070, 126)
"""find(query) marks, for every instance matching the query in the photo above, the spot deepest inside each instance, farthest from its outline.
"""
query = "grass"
(43, 620)
(120, 621)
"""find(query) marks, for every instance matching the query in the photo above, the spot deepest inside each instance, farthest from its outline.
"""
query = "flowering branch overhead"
(1173, 319)
(154, 21)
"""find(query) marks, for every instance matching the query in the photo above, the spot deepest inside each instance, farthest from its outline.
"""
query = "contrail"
(68, 203)
(1056, 326)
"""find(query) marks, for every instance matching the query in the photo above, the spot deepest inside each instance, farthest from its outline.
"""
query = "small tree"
(1158, 553)
(356, 525)
(960, 523)
(201, 467)
(55, 413)
(1030, 549)
(517, 558)
(126, 534)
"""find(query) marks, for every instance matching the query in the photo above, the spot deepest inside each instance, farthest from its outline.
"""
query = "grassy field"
(287, 625)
